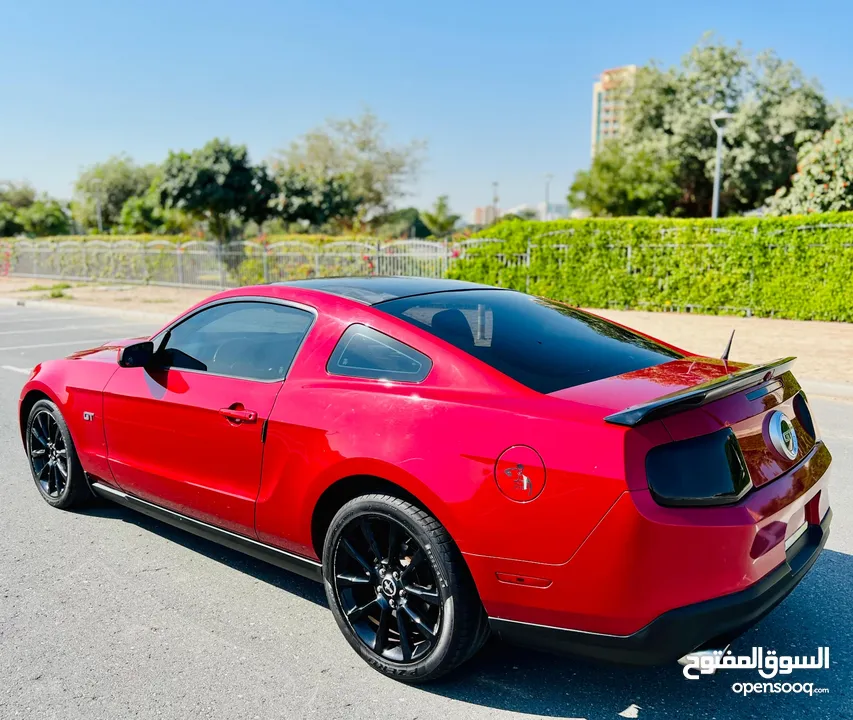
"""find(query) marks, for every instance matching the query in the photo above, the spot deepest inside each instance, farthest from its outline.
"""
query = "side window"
(245, 339)
(366, 353)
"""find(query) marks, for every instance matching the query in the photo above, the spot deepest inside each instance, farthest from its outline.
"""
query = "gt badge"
(88, 416)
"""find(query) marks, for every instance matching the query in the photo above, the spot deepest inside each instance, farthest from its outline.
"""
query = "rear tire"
(399, 589)
(54, 464)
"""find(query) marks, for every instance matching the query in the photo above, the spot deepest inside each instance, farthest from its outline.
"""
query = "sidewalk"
(824, 350)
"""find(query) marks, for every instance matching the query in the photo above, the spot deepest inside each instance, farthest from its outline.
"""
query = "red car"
(452, 460)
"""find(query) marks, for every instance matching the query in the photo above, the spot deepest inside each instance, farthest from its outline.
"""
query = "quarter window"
(246, 339)
(367, 353)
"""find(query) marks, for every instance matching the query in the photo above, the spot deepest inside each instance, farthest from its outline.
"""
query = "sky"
(501, 91)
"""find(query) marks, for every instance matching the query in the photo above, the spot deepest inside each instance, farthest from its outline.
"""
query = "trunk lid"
(695, 396)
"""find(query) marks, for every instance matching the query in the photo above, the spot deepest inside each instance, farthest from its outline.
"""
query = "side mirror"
(136, 355)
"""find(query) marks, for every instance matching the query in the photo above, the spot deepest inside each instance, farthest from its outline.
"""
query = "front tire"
(399, 589)
(56, 469)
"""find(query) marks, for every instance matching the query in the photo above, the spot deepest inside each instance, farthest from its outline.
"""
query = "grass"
(56, 287)
(56, 292)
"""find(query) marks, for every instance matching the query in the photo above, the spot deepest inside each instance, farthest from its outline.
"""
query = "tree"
(10, 224)
(406, 223)
(112, 182)
(824, 178)
(314, 201)
(776, 110)
(17, 195)
(45, 217)
(357, 149)
(627, 182)
(144, 215)
(441, 221)
(216, 184)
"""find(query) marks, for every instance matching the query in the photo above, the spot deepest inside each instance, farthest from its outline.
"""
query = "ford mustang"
(453, 460)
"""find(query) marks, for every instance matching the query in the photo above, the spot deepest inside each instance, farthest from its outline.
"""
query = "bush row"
(793, 267)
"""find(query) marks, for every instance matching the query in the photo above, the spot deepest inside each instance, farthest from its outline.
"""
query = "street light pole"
(720, 129)
(495, 201)
(548, 178)
(97, 183)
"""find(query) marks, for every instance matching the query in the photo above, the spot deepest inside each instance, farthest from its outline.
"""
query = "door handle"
(239, 415)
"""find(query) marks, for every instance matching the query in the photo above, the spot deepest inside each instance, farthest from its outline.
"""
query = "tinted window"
(254, 340)
(542, 344)
(365, 353)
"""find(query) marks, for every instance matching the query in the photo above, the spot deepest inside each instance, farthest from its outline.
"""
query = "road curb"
(823, 388)
(90, 309)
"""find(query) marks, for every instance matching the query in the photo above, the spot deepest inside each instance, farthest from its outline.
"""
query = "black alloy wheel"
(48, 454)
(400, 590)
(53, 458)
(387, 588)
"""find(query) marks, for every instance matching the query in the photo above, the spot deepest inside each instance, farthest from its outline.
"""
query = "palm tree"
(441, 221)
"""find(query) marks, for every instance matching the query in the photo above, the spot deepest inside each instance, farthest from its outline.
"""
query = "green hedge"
(793, 267)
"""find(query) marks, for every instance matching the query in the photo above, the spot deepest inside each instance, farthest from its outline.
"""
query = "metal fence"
(206, 264)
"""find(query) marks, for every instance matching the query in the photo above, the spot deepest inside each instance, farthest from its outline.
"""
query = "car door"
(187, 433)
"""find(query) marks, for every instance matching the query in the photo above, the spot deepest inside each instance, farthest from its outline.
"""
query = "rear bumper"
(677, 632)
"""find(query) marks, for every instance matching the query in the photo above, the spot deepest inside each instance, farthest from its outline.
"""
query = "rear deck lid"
(698, 396)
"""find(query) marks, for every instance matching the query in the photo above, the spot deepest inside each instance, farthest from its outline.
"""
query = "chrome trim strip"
(561, 629)
(798, 533)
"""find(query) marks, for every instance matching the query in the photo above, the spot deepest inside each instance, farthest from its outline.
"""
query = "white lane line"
(23, 371)
(70, 327)
(81, 343)
(38, 317)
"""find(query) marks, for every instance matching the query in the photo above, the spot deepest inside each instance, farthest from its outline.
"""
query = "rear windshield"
(541, 344)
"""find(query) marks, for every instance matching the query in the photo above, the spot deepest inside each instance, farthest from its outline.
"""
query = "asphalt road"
(109, 614)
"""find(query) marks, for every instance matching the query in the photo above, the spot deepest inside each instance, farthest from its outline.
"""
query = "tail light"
(706, 470)
(804, 415)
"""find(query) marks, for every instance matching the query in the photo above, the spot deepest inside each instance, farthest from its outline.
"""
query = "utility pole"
(548, 178)
(495, 201)
(721, 129)
(97, 183)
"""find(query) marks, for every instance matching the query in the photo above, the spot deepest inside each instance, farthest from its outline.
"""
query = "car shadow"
(282, 579)
(818, 613)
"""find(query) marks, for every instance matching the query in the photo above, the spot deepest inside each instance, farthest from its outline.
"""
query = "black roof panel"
(377, 289)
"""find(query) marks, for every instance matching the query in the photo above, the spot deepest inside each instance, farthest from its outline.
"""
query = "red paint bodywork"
(599, 554)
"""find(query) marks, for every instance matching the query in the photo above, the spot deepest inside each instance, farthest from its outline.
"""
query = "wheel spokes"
(51, 481)
(348, 579)
(36, 433)
(413, 563)
(381, 638)
(371, 540)
(426, 631)
(405, 643)
(358, 612)
(393, 537)
(356, 555)
(426, 594)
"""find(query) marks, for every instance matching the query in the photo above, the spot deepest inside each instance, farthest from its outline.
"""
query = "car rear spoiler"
(699, 395)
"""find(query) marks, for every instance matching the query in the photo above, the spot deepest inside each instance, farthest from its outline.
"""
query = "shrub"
(793, 267)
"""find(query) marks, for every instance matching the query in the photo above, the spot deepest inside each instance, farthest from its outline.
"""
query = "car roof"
(376, 289)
